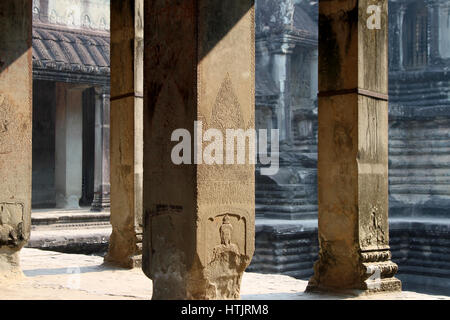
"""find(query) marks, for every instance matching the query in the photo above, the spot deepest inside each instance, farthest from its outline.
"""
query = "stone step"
(67, 218)
(84, 240)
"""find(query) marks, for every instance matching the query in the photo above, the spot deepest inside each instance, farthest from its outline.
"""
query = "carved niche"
(226, 248)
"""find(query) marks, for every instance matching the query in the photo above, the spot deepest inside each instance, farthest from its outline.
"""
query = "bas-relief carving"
(226, 255)
(7, 124)
(374, 233)
(11, 224)
(64, 12)
(227, 114)
(374, 227)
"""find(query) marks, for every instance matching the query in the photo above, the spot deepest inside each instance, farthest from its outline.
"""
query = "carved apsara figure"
(225, 246)
(226, 265)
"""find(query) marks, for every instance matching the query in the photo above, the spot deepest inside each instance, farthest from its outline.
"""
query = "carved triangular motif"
(226, 113)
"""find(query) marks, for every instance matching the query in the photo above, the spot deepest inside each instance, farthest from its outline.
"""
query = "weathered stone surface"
(15, 131)
(199, 219)
(353, 151)
(126, 132)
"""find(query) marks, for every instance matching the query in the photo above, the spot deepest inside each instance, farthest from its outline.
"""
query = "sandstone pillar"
(125, 244)
(198, 218)
(15, 132)
(68, 146)
(353, 151)
(101, 172)
(281, 72)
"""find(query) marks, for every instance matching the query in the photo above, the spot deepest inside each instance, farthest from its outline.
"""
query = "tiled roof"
(75, 51)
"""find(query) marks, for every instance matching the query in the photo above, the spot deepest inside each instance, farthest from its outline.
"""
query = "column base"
(373, 273)
(69, 202)
(101, 202)
(125, 250)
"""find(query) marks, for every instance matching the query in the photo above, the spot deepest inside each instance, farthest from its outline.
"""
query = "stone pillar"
(198, 218)
(125, 244)
(402, 42)
(314, 80)
(101, 175)
(15, 132)
(353, 151)
(68, 145)
(433, 8)
(281, 71)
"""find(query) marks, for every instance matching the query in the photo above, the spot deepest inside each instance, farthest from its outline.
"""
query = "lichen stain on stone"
(350, 19)
(169, 270)
(328, 50)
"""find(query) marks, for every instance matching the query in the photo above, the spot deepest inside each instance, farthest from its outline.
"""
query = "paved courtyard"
(57, 276)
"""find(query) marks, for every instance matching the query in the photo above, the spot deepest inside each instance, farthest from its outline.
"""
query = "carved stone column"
(101, 172)
(198, 218)
(353, 151)
(125, 243)
(15, 132)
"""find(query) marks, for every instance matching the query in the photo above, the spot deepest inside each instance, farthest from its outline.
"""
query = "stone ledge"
(65, 218)
(87, 240)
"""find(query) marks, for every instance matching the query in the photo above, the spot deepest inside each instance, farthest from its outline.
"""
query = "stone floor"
(58, 276)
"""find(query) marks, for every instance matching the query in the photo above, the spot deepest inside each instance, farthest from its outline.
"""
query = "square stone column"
(101, 172)
(127, 75)
(68, 145)
(15, 132)
(353, 150)
(198, 218)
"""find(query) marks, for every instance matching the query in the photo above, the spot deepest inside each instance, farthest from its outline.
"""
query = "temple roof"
(286, 17)
(57, 48)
